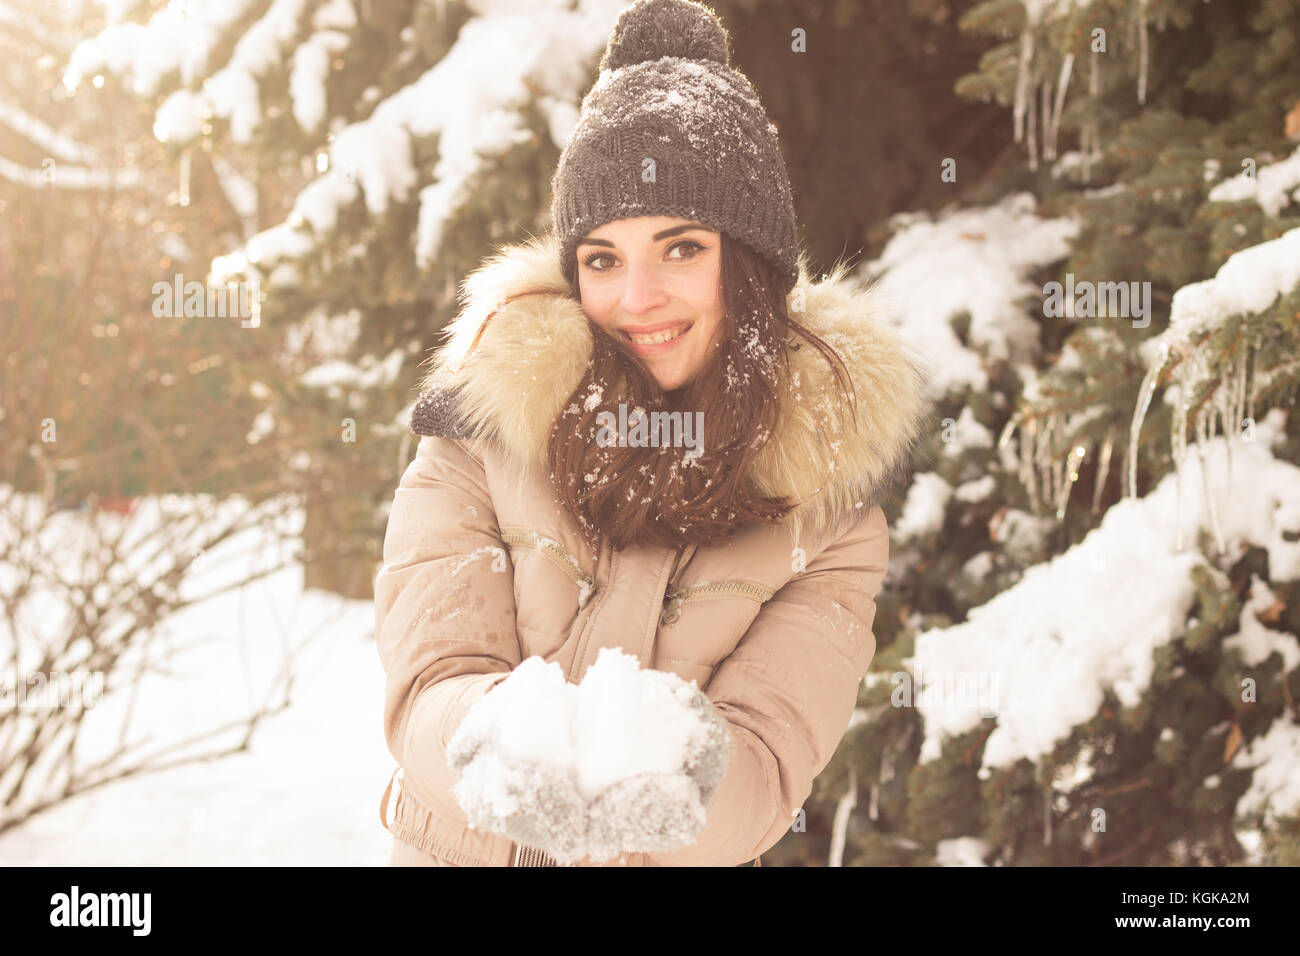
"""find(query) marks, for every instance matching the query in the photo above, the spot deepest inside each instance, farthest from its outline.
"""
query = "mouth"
(656, 342)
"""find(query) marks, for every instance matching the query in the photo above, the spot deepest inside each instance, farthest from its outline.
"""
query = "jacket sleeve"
(788, 692)
(444, 612)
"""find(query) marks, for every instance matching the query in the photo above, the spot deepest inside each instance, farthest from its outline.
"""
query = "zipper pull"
(672, 598)
(672, 608)
(586, 588)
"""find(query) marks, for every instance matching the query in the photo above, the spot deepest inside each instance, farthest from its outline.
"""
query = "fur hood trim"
(510, 377)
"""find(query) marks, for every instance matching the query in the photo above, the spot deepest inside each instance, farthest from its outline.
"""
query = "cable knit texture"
(671, 129)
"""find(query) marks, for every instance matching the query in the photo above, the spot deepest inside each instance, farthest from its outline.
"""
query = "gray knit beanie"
(670, 129)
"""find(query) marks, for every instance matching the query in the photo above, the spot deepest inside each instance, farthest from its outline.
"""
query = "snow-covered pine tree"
(379, 147)
(1122, 606)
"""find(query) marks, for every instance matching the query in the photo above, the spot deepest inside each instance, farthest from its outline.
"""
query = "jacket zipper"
(529, 855)
(673, 599)
(561, 558)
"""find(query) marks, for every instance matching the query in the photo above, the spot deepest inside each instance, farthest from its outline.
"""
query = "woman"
(744, 553)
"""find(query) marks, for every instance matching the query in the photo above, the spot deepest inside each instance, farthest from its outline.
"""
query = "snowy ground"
(308, 791)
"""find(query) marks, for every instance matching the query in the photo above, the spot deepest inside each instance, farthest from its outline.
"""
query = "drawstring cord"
(383, 801)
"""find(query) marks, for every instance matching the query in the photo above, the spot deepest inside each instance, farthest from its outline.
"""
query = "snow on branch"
(1249, 282)
(232, 93)
(1039, 12)
(311, 64)
(471, 99)
(179, 37)
(1083, 623)
(1274, 758)
(975, 261)
(1272, 186)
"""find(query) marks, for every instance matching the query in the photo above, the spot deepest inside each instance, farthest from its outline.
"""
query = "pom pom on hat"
(650, 29)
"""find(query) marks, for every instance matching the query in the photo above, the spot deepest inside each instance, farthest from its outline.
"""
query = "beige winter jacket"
(483, 568)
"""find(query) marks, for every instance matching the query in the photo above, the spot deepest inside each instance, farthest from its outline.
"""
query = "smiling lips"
(653, 341)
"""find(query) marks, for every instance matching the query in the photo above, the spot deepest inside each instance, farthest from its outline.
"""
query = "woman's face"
(641, 279)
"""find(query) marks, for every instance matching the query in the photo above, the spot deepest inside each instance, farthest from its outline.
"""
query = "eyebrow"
(589, 241)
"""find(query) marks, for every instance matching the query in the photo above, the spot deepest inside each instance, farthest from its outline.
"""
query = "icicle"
(1142, 50)
(1005, 438)
(1089, 140)
(1145, 391)
(1202, 440)
(1046, 90)
(1243, 385)
(1178, 446)
(1071, 478)
(1037, 466)
(1232, 398)
(1031, 136)
(1028, 439)
(1062, 84)
(1221, 415)
(1243, 388)
(1048, 479)
(1022, 83)
(1103, 470)
(1123, 475)
(1047, 817)
(183, 191)
(839, 829)
(873, 808)
(1024, 465)
(1049, 469)
(1249, 394)
(1056, 478)
(254, 319)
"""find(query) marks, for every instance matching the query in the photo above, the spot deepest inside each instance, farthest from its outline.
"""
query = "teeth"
(656, 338)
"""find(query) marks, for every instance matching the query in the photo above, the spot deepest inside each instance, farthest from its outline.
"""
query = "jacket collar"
(526, 362)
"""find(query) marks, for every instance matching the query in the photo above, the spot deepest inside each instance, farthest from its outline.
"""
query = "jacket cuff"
(434, 719)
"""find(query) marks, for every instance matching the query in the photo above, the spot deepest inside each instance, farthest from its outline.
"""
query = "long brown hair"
(655, 494)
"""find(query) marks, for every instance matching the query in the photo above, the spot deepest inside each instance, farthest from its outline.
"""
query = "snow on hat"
(670, 129)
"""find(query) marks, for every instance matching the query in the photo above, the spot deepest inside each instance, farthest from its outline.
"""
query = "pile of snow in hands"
(627, 761)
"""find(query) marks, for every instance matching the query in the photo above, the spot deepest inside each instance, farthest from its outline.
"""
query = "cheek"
(707, 306)
(598, 305)
(704, 297)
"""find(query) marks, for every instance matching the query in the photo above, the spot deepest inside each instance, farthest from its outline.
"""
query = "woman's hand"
(643, 814)
(627, 763)
(665, 809)
(530, 803)
(707, 760)
(514, 754)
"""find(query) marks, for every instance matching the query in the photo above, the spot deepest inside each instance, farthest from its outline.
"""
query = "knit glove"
(664, 807)
(514, 755)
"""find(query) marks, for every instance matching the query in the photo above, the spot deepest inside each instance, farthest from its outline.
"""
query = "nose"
(642, 290)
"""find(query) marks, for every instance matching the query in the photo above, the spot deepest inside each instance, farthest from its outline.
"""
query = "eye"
(692, 248)
(592, 258)
(687, 243)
